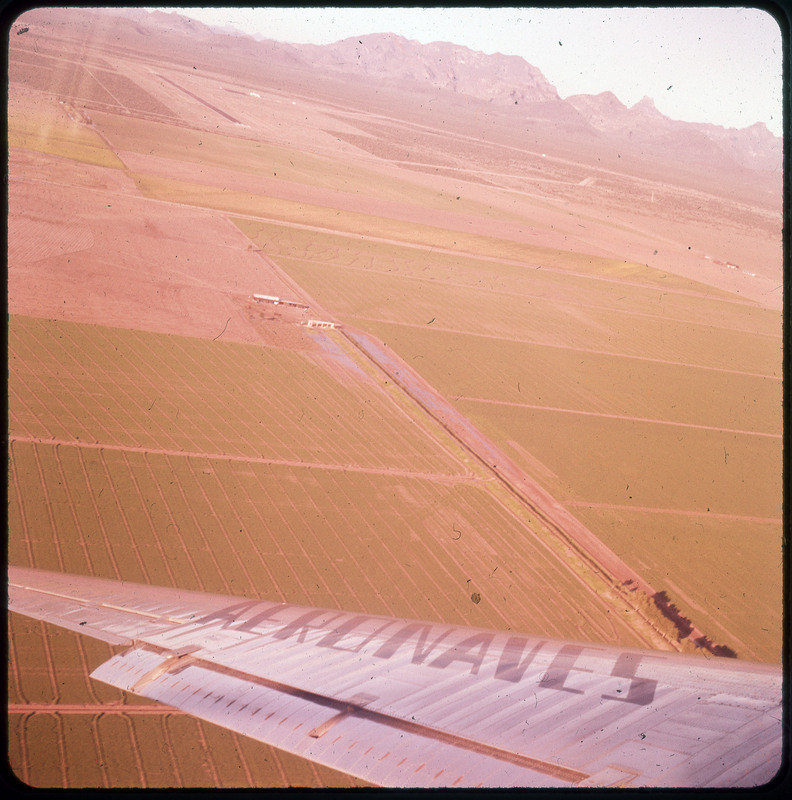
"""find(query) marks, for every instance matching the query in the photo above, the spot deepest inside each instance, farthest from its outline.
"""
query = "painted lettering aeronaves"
(430, 648)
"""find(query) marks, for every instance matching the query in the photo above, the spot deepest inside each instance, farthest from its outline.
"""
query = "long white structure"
(268, 298)
(319, 323)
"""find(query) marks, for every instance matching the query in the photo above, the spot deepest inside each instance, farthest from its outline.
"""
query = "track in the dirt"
(402, 473)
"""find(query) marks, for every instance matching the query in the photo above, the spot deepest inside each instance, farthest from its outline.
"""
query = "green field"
(644, 464)
(207, 151)
(366, 296)
(50, 130)
(503, 370)
(613, 308)
(475, 260)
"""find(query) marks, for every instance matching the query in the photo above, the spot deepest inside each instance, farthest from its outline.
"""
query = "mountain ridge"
(497, 81)
(508, 79)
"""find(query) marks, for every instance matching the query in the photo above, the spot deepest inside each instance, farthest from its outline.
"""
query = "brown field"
(471, 366)
(425, 301)
(295, 534)
(674, 550)
(165, 428)
(687, 423)
(138, 390)
(228, 521)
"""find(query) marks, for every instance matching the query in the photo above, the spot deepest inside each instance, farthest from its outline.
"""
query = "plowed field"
(166, 428)
(619, 388)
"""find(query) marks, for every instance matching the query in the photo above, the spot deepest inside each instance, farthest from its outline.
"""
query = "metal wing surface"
(407, 703)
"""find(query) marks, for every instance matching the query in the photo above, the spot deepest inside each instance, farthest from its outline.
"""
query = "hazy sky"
(720, 65)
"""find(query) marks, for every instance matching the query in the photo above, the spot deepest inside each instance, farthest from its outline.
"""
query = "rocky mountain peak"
(440, 65)
(647, 107)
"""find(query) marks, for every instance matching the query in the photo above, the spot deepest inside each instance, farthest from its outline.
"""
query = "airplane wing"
(415, 704)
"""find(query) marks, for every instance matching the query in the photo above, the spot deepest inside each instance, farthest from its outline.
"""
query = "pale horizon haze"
(712, 65)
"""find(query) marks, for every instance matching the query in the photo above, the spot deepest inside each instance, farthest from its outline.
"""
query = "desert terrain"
(550, 400)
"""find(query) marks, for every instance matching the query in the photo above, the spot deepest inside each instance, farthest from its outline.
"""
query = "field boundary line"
(566, 347)
(679, 511)
(439, 477)
(507, 293)
(436, 435)
(483, 257)
(618, 416)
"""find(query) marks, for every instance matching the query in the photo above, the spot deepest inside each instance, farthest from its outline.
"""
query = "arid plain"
(548, 404)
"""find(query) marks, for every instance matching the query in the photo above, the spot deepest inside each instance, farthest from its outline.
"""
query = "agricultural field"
(165, 428)
(674, 551)
(136, 390)
(185, 500)
(53, 128)
(292, 534)
(67, 730)
(678, 391)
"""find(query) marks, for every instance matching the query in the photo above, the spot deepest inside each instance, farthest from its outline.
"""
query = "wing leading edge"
(407, 703)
